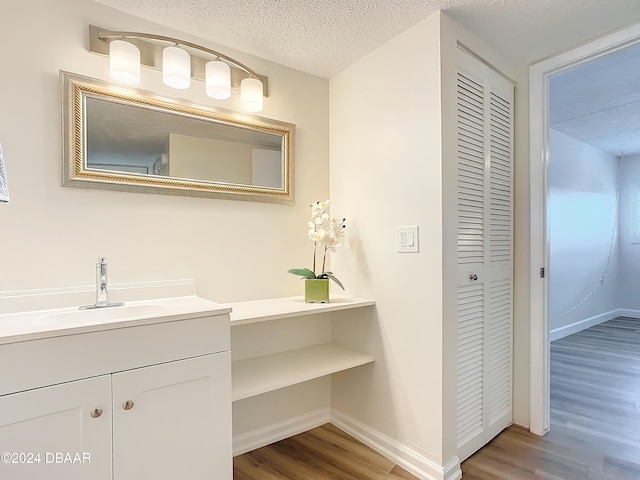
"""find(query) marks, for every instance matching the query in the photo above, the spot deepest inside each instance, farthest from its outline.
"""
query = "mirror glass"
(123, 138)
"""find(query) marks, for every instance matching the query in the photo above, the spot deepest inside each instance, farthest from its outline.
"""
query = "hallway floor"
(595, 414)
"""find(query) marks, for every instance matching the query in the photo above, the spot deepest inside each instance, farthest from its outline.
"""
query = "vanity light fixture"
(180, 61)
(218, 79)
(124, 62)
(176, 67)
(251, 94)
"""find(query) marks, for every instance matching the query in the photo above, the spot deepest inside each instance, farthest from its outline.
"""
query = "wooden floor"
(595, 414)
(595, 426)
(324, 453)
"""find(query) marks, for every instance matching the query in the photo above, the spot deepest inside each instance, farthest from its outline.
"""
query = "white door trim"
(539, 73)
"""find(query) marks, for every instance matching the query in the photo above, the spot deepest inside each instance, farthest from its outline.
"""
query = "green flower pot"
(316, 290)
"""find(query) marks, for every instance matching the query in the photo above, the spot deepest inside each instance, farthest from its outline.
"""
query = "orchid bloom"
(324, 232)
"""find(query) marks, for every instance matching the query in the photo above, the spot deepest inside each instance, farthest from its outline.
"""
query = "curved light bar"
(177, 62)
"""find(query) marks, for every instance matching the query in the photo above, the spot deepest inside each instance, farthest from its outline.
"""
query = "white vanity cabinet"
(37, 426)
(129, 402)
(173, 420)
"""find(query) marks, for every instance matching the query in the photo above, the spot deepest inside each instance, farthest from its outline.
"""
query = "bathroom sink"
(97, 315)
(59, 312)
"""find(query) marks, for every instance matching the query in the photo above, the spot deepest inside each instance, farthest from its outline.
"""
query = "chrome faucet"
(102, 293)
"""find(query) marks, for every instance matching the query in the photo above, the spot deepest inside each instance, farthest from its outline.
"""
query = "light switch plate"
(407, 239)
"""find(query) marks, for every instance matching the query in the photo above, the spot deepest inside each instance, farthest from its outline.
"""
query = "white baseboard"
(403, 455)
(625, 312)
(275, 432)
(575, 327)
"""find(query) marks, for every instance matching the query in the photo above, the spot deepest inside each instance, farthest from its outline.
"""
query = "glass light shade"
(218, 79)
(251, 94)
(176, 67)
(124, 62)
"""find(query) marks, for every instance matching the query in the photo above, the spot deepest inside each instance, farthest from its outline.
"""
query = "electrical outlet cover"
(407, 239)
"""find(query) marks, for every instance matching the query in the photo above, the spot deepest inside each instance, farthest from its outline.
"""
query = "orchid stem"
(324, 258)
(315, 245)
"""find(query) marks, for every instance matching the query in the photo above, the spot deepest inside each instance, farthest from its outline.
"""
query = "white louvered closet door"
(485, 250)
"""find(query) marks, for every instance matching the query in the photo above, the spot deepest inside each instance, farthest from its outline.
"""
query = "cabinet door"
(485, 247)
(177, 423)
(50, 432)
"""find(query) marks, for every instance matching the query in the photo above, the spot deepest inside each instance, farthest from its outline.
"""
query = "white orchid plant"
(325, 233)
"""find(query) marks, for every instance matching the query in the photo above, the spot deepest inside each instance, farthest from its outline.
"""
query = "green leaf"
(330, 275)
(303, 272)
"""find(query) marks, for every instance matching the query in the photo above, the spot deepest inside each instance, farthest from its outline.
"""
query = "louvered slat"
(471, 145)
(499, 334)
(499, 348)
(470, 382)
(500, 191)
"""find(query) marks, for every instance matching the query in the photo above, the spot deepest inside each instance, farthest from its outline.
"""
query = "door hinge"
(542, 272)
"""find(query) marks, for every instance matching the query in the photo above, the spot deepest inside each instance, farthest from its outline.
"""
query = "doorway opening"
(584, 296)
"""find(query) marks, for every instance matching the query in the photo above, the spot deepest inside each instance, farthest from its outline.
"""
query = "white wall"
(266, 167)
(583, 242)
(51, 236)
(393, 150)
(209, 159)
(629, 292)
(521, 253)
(385, 171)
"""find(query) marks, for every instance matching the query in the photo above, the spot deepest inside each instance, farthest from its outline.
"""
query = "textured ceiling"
(322, 37)
(599, 102)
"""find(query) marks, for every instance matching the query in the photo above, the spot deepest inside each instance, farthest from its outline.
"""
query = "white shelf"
(257, 375)
(275, 308)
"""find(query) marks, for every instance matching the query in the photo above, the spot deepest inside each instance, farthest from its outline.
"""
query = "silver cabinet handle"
(96, 412)
(473, 277)
(128, 405)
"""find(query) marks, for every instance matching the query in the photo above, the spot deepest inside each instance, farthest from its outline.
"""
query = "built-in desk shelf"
(262, 374)
(257, 375)
(275, 308)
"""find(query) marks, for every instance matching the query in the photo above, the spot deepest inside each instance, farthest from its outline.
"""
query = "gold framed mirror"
(122, 138)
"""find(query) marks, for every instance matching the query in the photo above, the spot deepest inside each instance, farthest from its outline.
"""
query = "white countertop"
(23, 326)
